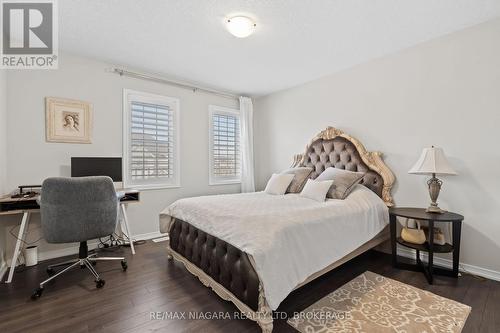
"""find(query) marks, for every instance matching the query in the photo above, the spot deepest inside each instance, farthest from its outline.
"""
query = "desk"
(28, 206)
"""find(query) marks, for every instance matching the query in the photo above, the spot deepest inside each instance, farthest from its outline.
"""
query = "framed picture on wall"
(68, 121)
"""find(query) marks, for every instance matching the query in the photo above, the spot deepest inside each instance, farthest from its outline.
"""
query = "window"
(224, 151)
(151, 140)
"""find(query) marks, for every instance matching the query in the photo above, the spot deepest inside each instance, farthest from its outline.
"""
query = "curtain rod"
(143, 76)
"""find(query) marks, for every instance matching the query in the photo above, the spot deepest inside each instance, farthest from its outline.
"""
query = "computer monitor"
(97, 166)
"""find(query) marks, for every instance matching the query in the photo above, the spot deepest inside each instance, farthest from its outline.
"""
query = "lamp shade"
(432, 161)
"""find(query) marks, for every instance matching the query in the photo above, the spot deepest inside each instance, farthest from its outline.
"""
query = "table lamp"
(433, 162)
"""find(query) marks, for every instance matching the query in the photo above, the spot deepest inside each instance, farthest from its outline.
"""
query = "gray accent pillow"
(300, 176)
(344, 181)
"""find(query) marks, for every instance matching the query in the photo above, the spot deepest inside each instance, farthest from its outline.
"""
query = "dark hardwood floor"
(152, 284)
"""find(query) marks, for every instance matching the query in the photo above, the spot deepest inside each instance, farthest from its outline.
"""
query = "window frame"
(129, 96)
(212, 179)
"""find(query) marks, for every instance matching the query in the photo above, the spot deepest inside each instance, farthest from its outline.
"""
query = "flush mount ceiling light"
(240, 26)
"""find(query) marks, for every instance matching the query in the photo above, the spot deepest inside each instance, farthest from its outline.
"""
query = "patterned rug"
(373, 303)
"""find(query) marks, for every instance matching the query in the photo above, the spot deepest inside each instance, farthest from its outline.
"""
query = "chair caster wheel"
(124, 265)
(37, 294)
(100, 283)
(50, 271)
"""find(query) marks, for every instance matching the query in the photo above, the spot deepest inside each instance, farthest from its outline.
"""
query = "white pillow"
(278, 183)
(316, 190)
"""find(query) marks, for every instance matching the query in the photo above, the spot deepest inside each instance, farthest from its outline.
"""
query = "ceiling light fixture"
(240, 26)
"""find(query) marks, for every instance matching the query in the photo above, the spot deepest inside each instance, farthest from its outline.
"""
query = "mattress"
(288, 237)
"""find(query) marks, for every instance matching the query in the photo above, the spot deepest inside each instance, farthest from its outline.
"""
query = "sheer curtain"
(246, 144)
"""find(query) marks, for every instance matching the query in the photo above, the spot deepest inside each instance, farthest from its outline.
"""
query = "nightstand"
(432, 218)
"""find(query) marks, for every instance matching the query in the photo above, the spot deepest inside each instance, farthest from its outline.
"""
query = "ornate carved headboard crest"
(333, 148)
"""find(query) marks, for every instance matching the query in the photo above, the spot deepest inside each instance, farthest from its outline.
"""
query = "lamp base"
(434, 185)
(435, 210)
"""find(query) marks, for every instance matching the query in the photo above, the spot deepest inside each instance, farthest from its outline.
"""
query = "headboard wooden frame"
(373, 160)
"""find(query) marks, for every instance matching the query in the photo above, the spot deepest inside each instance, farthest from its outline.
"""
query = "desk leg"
(17, 250)
(127, 229)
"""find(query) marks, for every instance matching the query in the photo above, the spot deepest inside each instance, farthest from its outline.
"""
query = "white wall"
(445, 92)
(3, 157)
(31, 159)
(3, 129)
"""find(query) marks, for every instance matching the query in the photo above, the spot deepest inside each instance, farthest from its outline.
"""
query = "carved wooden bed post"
(264, 314)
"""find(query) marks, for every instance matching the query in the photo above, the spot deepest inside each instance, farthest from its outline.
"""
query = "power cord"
(109, 243)
(21, 252)
(22, 240)
(114, 240)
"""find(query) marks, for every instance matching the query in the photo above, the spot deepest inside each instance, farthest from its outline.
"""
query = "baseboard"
(149, 235)
(67, 251)
(92, 245)
(465, 268)
(71, 250)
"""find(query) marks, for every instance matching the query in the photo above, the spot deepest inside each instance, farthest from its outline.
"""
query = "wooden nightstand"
(429, 247)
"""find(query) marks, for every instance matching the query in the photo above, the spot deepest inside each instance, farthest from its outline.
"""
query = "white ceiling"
(295, 41)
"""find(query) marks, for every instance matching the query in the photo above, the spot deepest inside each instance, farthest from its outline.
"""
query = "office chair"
(77, 210)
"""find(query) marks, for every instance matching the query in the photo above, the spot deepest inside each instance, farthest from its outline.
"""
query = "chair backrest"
(78, 209)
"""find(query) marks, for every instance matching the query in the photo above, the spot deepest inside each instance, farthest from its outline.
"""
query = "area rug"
(373, 303)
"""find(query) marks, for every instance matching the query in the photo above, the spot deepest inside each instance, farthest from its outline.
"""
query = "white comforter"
(289, 237)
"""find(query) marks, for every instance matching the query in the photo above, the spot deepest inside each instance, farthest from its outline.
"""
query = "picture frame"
(68, 120)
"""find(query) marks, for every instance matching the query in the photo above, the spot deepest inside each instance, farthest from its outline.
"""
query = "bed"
(253, 249)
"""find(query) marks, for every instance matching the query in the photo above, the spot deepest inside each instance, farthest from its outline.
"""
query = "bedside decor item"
(433, 162)
(413, 235)
(68, 121)
(439, 238)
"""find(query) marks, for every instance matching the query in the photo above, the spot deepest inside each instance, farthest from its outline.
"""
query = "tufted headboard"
(334, 148)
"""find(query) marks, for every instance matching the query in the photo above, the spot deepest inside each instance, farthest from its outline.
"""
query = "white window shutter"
(151, 145)
(225, 152)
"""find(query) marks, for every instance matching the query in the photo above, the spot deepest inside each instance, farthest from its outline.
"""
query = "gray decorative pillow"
(300, 176)
(344, 181)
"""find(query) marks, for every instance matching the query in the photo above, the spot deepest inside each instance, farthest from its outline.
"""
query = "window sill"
(224, 182)
(151, 187)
